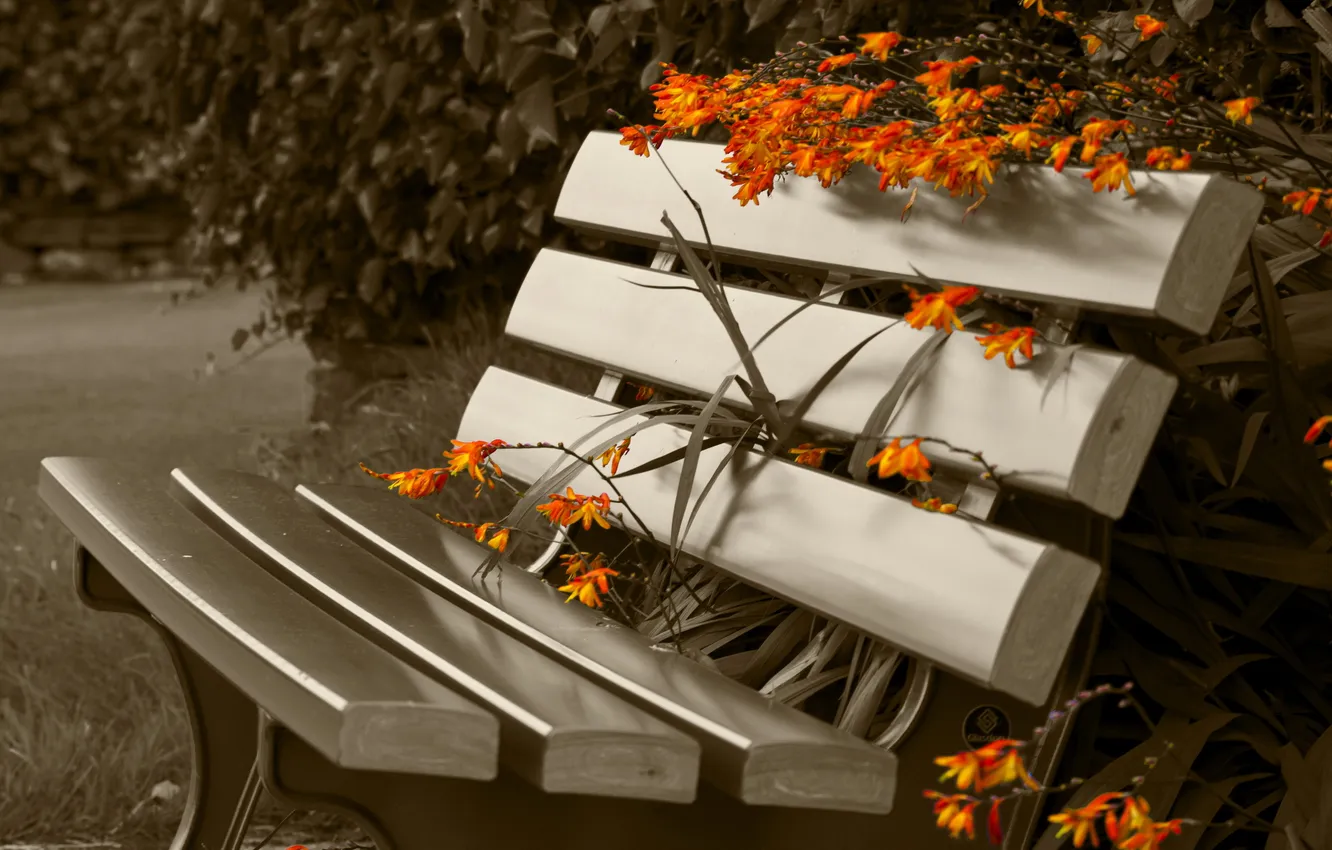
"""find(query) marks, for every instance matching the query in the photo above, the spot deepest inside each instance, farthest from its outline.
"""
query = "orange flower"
(588, 587)
(1008, 341)
(1001, 763)
(939, 309)
(1166, 87)
(1168, 158)
(1148, 26)
(413, 483)
(499, 541)
(643, 393)
(938, 75)
(894, 459)
(956, 813)
(1092, 43)
(1304, 201)
(935, 505)
(1133, 817)
(635, 139)
(808, 454)
(832, 63)
(1110, 172)
(473, 457)
(1240, 109)
(578, 563)
(1060, 151)
(1095, 133)
(573, 508)
(611, 456)
(1320, 424)
(1082, 821)
(1040, 6)
(877, 44)
(1024, 137)
(1151, 834)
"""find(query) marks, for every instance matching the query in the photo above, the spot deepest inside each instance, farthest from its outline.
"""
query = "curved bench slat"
(1166, 254)
(994, 606)
(760, 752)
(353, 702)
(561, 732)
(1085, 439)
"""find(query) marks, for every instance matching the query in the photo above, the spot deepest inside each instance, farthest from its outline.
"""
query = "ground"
(90, 721)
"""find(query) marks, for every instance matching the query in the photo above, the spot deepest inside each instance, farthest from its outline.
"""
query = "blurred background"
(281, 235)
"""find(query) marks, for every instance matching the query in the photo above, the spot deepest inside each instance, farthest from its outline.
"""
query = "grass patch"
(91, 717)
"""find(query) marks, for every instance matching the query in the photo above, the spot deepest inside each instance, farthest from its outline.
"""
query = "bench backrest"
(997, 607)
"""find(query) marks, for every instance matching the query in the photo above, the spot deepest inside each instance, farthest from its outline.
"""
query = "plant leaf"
(689, 467)
(802, 407)
(1251, 430)
(883, 412)
(1296, 566)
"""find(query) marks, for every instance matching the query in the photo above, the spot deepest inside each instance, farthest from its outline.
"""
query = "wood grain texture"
(941, 587)
(1078, 441)
(1167, 254)
(756, 750)
(561, 732)
(353, 702)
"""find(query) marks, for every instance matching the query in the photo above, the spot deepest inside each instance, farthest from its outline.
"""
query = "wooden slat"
(996, 607)
(348, 699)
(1168, 254)
(1085, 440)
(758, 751)
(558, 730)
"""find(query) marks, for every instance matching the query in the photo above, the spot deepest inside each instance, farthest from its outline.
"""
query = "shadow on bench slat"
(759, 751)
(351, 701)
(559, 731)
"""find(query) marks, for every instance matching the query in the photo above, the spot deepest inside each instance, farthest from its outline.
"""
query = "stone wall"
(73, 242)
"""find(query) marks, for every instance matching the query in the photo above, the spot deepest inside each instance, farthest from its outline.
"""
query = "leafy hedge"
(74, 125)
(387, 157)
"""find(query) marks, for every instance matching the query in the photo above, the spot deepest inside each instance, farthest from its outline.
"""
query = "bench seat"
(354, 703)
(559, 731)
(758, 751)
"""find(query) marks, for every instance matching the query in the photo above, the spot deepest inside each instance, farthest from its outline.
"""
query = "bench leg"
(224, 781)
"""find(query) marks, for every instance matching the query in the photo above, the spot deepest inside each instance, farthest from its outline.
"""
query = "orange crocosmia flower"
(1001, 763)
(1009, 342)
(994, 827)
(499, 541)
(808, 454)
(413, 483)
(935, 505)
(1151, 834)
(956, 813)
(591, 509)
(1095, 133)
(643, 393)
(588, 587)
(1169, 159)
(1082, 821)
(559, 508)
(1166, 88)
(1024, 137)
(1240, 109)
(472, 457)
(1148, 26)
(1110, 172)
(939, 309)
(611, 456)
(1304, 201)
(1320, 424)
(832, 63)
(1040, 6)
(1092, 43)
(939, 74)
(907, 461)
(637, 138)
(1060, 152)
(1134, 815)
(877, 44)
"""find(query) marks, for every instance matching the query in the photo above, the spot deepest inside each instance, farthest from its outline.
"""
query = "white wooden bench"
(337, 644)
